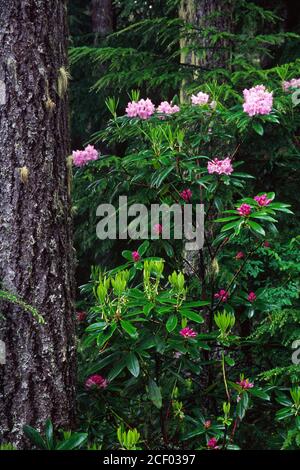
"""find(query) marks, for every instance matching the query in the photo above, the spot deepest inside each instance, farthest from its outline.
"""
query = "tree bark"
(102, 17)
(36, 253)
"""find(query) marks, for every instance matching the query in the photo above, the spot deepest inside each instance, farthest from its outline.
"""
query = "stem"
(224, 377)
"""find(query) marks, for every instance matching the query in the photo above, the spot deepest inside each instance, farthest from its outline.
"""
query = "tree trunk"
(36, 253)
(102, 18)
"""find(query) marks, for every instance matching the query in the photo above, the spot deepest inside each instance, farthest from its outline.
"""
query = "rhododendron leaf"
(197, 432)
(242, 405)
(49, 434)
(143, 248)
(256, 227)
(154, 394)
(258, 128)
(284, 413)
(196, 303)
(257, 215)
(133, 364)
(76, 440)
(35, 437)
(127, 255)
(230, 226)
(227, 219)
(191, 315)
(117, 369)
(168, 249)
(96, 327)
(171, 323)
(105, 336)
(129, 328)
(258, 392)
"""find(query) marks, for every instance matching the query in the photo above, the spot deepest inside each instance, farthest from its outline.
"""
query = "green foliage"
(69, 441)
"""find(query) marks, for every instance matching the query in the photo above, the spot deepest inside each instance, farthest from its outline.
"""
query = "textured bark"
(206, 14)
(36, 254)
(102, 17)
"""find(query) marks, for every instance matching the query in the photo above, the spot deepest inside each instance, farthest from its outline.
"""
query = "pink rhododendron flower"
(257, 100)
(262, 200)
(294, 83)
(167, 108)
(82, 157)
(200, 98)
(244, 210)
(157, 229)
(80, 316)
(251, 296)
(222, 295)
(220, 167)
(207, 424)
(135, 256)
(96, 381)
(186, 194)
(240, 255)
(266, 244)
(212, 443)
(142, 109)
(245, 384)
(188, 332)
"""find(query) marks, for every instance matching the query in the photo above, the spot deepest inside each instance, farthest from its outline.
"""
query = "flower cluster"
(220, 167)
(257, 100)
(212, 443)
(82, 157)
(200, 99)
(186, 195)
(245, 384)
(188, 332)
(142, 109)
(167, 108)
(135, 256)
(251, 297)
(222, 295)
(240, 255)
(244, 210)
(96, 381)
(262, 200)
(294, 83)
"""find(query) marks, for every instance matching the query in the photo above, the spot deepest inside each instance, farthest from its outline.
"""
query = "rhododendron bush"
(173, 343)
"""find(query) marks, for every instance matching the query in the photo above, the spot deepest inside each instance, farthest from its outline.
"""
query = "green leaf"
(49, 434)
(258, 128)
(284, 413)
(171, 323)
(127, 255)
(258, 392)
(229, 361)
(129, 328)
(230, 226)
(191, 315)
(133, 364)
(116, 370)
(143, 248)
(256, 227)
(96, 327)
(34, 436)
(242, 405)
(154, 394)
(76, 440)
